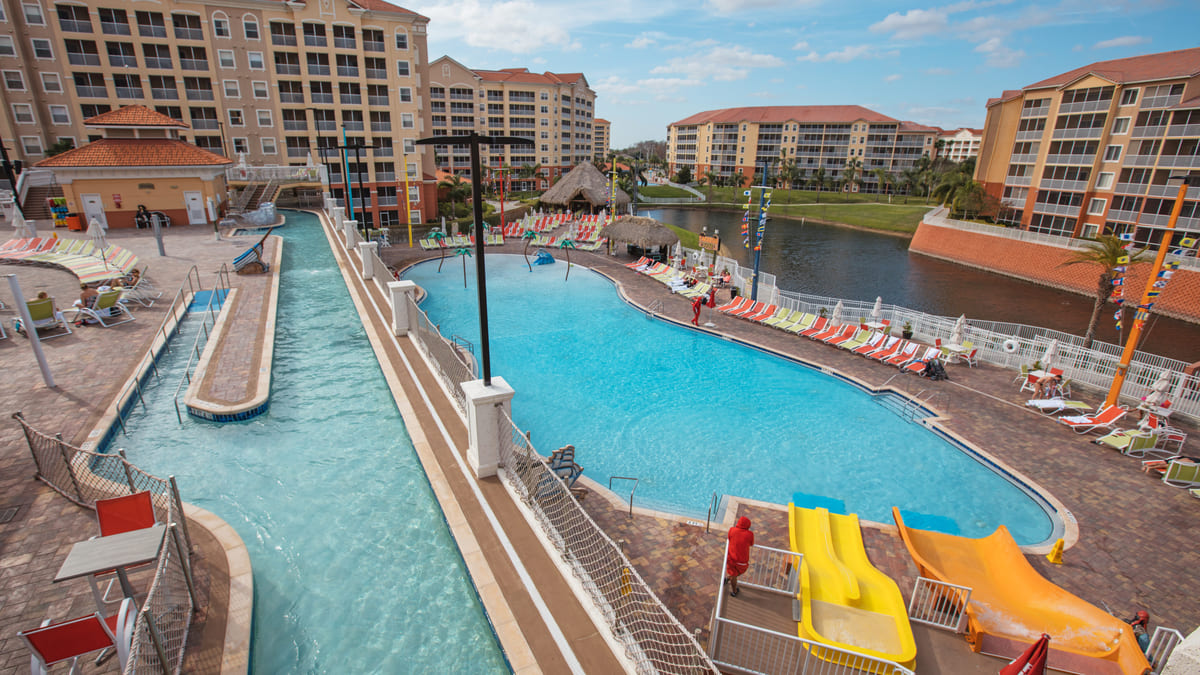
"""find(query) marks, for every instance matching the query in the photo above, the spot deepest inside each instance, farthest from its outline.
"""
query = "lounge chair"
(754, 308)
(1105, 419)
(846, 335)
(1129, 442)
(829, 332)
(1023, 377)
(766, 313)
(888, 352)
(108, 305)
(817, 327)
(53, 643)
(1053, 406)
(917, 364)
(734, 304)
(904, 355)
(1182, 472)
(886, 349)
(875, 342)
(640, 262)
(860, 338)
(803, 322)
(45, 317)
(782, 318)
(972, 359)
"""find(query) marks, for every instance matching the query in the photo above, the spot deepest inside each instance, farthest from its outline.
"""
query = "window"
(90, 85)
(256, 61)
(157, 56)
(314, 35)
(250, 27)
(82, 53)
(6, 46)
(1120, 125)
(220, 25)
(1096, 207)
(260, 89)
(187, 27)
(231, 89)
(41, 49)
(32, 145)
(14, 80)
(240, 145)
(402, 68)
(121, 55)
(74, 18)
(1112, 153)
(343, 37)
(33, 15)
(150, 24)
(264, 119)
(405, 94)
(60, 115)
(203, 118)
(410, 146)
(225, 58)
(268, 146)
(172, 111)
(401, 40)
(23, 113)
(236, 119)
(406, 120)
(114, 22)
(1129, 96)
(1104, 181)
(127, 85)
(193, 58)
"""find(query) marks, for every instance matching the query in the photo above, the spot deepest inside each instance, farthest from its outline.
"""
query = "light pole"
(473, 140)
(764, 203)
(1143, 309)
(357, 147)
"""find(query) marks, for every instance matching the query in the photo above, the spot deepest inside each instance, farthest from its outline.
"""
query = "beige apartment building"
(274, 81)
(554, 110)
(960, 144)
(1090, 151)
(602, 138)
(736, 141)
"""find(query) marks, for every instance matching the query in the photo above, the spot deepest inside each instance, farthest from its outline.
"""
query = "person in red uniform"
(697, 303)
(738, 560)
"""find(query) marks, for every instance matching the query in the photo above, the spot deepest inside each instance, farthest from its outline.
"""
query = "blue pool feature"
(689, 413)
(200, 301)
(355, 570)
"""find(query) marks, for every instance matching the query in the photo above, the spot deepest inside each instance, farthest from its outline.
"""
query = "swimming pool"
(689, 413)
(354, 568)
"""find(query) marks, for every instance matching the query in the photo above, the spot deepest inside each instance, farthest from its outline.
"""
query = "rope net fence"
(83, 477)
(653, 638)
(450, 360)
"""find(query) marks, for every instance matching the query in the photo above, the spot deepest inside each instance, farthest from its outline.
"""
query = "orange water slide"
(1011, 601)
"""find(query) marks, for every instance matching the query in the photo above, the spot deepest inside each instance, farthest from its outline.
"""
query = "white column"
(366, 253)
(348, 228)
(335, 213)
(483, 423)
(399, 293)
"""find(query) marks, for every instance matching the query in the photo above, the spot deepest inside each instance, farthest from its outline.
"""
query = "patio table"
(114, 552)
(875, 325)
(955, 352)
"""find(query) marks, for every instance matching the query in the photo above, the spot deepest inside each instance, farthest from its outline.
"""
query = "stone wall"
(1043, 264)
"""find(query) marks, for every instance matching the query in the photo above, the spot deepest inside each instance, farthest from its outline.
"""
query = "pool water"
(689, 414)
(354, 568)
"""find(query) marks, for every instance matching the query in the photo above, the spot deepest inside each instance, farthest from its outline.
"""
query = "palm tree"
(885, 180)
(850, 175)
(1106, 252)
(819, 179)
(440, 238)
(566, 246)
(909, 178)
(463, 253)
(710, 179)
(529, 236)
(949, 187)
(454, 186)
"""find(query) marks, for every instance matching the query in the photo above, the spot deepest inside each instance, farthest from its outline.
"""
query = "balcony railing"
(1056, 209)
(315, 41)
(1130, 188)
(373, 46)
(162, 63)
(347, 71)
(194, 64)
(1140, 160)
(1030, 135)
(281, 174)
(1155, 131)
(1084, 106)
(204, 124)
(86, 91)
(1160, 101)
(1123, 216)
(287, 68)
(381, 126)
(385, 151)
(1070, 159)
(319, 69)
(188, 33)
(198, 94)
(1068, 134)
(1069, 185)
(387, 176)
(326, 125)
(1180, 161)
(295, 125)
(352, 125)
(113, 28)
(122, 61)
(1040, 111)
(152, 31)
(377, 100)
(297, 152)
(77, 59)
(1171, 191)
(164, 94)
(344, 43)
(75, 26)
(129, 92)
(1019, 181)
(376, 73)
(350, 99)
(283, 40)
(297, 97)
(1177, 130)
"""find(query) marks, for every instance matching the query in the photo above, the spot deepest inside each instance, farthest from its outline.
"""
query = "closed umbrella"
(1050, 355)
(96, 232)
(21, 229)
(1032, 661)
(960, 327)
(877, 310)
(836, 319)
(1158, 390)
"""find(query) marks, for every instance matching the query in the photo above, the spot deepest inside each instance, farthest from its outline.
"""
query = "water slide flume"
(1012, 605)
(847, 603)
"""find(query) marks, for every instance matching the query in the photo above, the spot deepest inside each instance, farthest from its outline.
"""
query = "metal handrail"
(712, 506)
(635, 486)
(194, 356)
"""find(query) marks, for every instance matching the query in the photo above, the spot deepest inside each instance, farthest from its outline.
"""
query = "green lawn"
(893, 218)
(729, 195)
(662, 191)
(688, 239)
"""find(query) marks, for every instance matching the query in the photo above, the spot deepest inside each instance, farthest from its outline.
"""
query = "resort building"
(742, 141)
(959, 144)
(553, 110)
(271, 81)
(602, 138)
(1090, 151)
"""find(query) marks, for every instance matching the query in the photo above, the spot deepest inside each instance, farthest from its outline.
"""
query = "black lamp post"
(10, 171)
(473, 140)
(357, 148)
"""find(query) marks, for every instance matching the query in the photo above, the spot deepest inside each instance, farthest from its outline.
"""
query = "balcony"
(1155, 131)
(347, 71)
(1123, 216)
(158, 62)
(376, 74)
(319, 69)
(1183, 130)
(287, 68)
(198, 94)
(75, 26)
(350, 99)
(352, 125)
(387, 176)
(317, 97)
(188, 33)
(113, 28)
(1071, 159)
(1031, 135)
(86, 91)
(1071, 134)
(1040, 111)
(195, 64)
(1085, 106)
(1057, 210)
(121, 61)
(80, 59)
(381, 126)
(1161, 220)
(1140, 160)
(1170, 192)
(160, 94)
(1130, 188)
(152, 31)
(470, 124)
(1068, 185)
(205, 124)
(1020, 181)
(283, 40)
(373, 46)
(1160, 101)
(295, 125)
(385, 200)
(377, 100)
(326, 125)
(297, 152)
(296, 97)
(1180, 161)
(455, 96)
(315, 41)
(345, 43)
(384, 151)
(129, 92)
(1015, 202)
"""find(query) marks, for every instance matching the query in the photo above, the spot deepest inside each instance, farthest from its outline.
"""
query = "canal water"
(862, 265)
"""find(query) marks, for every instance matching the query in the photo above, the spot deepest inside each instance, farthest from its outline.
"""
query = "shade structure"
(639, 231)
(838, 310)
(1158, 390)
(96, 232)
(959, 331)
(877, 310)
(21, 228)
(1032, 661)
(583, 187)
(1050, 355)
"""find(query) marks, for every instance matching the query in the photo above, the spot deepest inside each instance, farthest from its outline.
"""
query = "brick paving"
(233, 376)
(89, 368)
(1136, 548)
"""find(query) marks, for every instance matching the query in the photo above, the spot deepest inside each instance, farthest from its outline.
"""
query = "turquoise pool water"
(689, 413)
(354, 568)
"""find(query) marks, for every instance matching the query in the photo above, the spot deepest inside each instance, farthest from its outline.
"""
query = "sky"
(654, 62)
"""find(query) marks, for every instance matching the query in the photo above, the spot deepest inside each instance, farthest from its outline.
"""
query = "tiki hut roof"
(584, 183)
(639, 231)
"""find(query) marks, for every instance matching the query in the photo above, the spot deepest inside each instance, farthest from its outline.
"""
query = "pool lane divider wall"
(259, 399)
(1062, 521)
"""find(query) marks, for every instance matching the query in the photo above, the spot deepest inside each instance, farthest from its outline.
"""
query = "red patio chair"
(70, 639)
(115, 516)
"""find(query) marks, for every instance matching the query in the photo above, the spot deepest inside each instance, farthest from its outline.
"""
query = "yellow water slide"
(1010, 600)
(847, 602)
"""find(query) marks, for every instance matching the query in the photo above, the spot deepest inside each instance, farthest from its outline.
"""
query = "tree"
(1106, 253)
(850, 175)
(884, 179)
(566, 246)
(464, 253)
(529, 236)
(455, 187)
(61, 146)
(819, 179)
(440, 238)
(683, 176)
(710, 179)
(909, 179)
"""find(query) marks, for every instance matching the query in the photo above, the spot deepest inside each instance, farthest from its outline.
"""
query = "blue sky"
(653, 62)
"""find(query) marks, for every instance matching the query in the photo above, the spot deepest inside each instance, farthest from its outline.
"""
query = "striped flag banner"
(1123, 260)
(1119, 281)
(1126, 237)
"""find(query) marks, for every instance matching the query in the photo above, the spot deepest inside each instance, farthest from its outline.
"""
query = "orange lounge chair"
(889, 352)
(817, 327)
(904, 355)
(844, 333)
(871, 345)
(734, 305)
(753, 309)
(638, 263)
(917, 365)
(1104, 419)
(766, 313)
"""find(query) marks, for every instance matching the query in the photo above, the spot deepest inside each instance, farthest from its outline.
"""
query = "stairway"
(35, 206)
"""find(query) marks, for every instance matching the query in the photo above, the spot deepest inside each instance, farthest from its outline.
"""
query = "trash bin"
(74, 223)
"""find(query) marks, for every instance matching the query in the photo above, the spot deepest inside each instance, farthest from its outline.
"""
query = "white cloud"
(616, 90)
(800, 45)
(646, 39)
(843, 55)
(892, 78)
(736, 6)
(1123, 41)
(913, 24)
(724, 64)
(998, 55)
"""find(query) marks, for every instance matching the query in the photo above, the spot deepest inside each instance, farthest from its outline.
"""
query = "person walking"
(738, 559)
(697, 303)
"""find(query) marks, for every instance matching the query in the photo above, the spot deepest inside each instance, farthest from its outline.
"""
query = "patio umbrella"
(21, 228)
(877, 310)
(1032, 661)
(1050, 355)
(1158, 390)
(96, 232)
(836, 319)
(960, 327)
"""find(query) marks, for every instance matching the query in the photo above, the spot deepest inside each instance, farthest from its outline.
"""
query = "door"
(195, 208)
(93, 207)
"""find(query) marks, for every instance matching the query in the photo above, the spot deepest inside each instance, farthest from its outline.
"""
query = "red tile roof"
(381, 6)
(913, 127)
(787, 113)
(133, 116)
(523, 75)
(1161, 66)
(1006, 95)
(131, 152)
(1193, 102)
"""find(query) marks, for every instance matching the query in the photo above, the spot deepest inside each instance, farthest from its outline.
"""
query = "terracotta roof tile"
(381, 6)
(1006, 95)
(133, 116)
(131, 152)
(1161, 66)
(522, 75)
(786, 113)
(913, 127)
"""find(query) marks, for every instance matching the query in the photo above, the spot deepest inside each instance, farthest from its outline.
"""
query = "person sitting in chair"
(1047, 386)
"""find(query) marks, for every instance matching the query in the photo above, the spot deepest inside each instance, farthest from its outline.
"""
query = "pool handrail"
(194, 356)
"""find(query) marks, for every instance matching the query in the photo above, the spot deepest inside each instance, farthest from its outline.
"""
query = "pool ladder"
(655, 308)
(635, 487)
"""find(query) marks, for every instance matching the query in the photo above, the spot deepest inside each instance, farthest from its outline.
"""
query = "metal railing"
(279, 174)
(939, 604)
(1162, 643)
(632, 490)
(653, 638)
(165, 618)
(447, 358)
(207, 320)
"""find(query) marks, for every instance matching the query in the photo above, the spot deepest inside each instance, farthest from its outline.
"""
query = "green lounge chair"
(108, 305)
(782, 314)
(803, 322)
(45, 318)
(1182, 473)
(1131, 442)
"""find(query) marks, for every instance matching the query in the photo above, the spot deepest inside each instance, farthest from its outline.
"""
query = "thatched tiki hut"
(641, 232)
(583, 189)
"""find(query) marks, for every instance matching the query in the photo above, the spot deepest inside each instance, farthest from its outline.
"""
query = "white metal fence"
(939, 604)
(1162, 643)
(279, 174)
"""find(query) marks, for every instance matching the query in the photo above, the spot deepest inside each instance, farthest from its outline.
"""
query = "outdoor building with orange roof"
(1090, 151)
(556, 111)
(140, 160)
(797, 144)
(959, 144)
